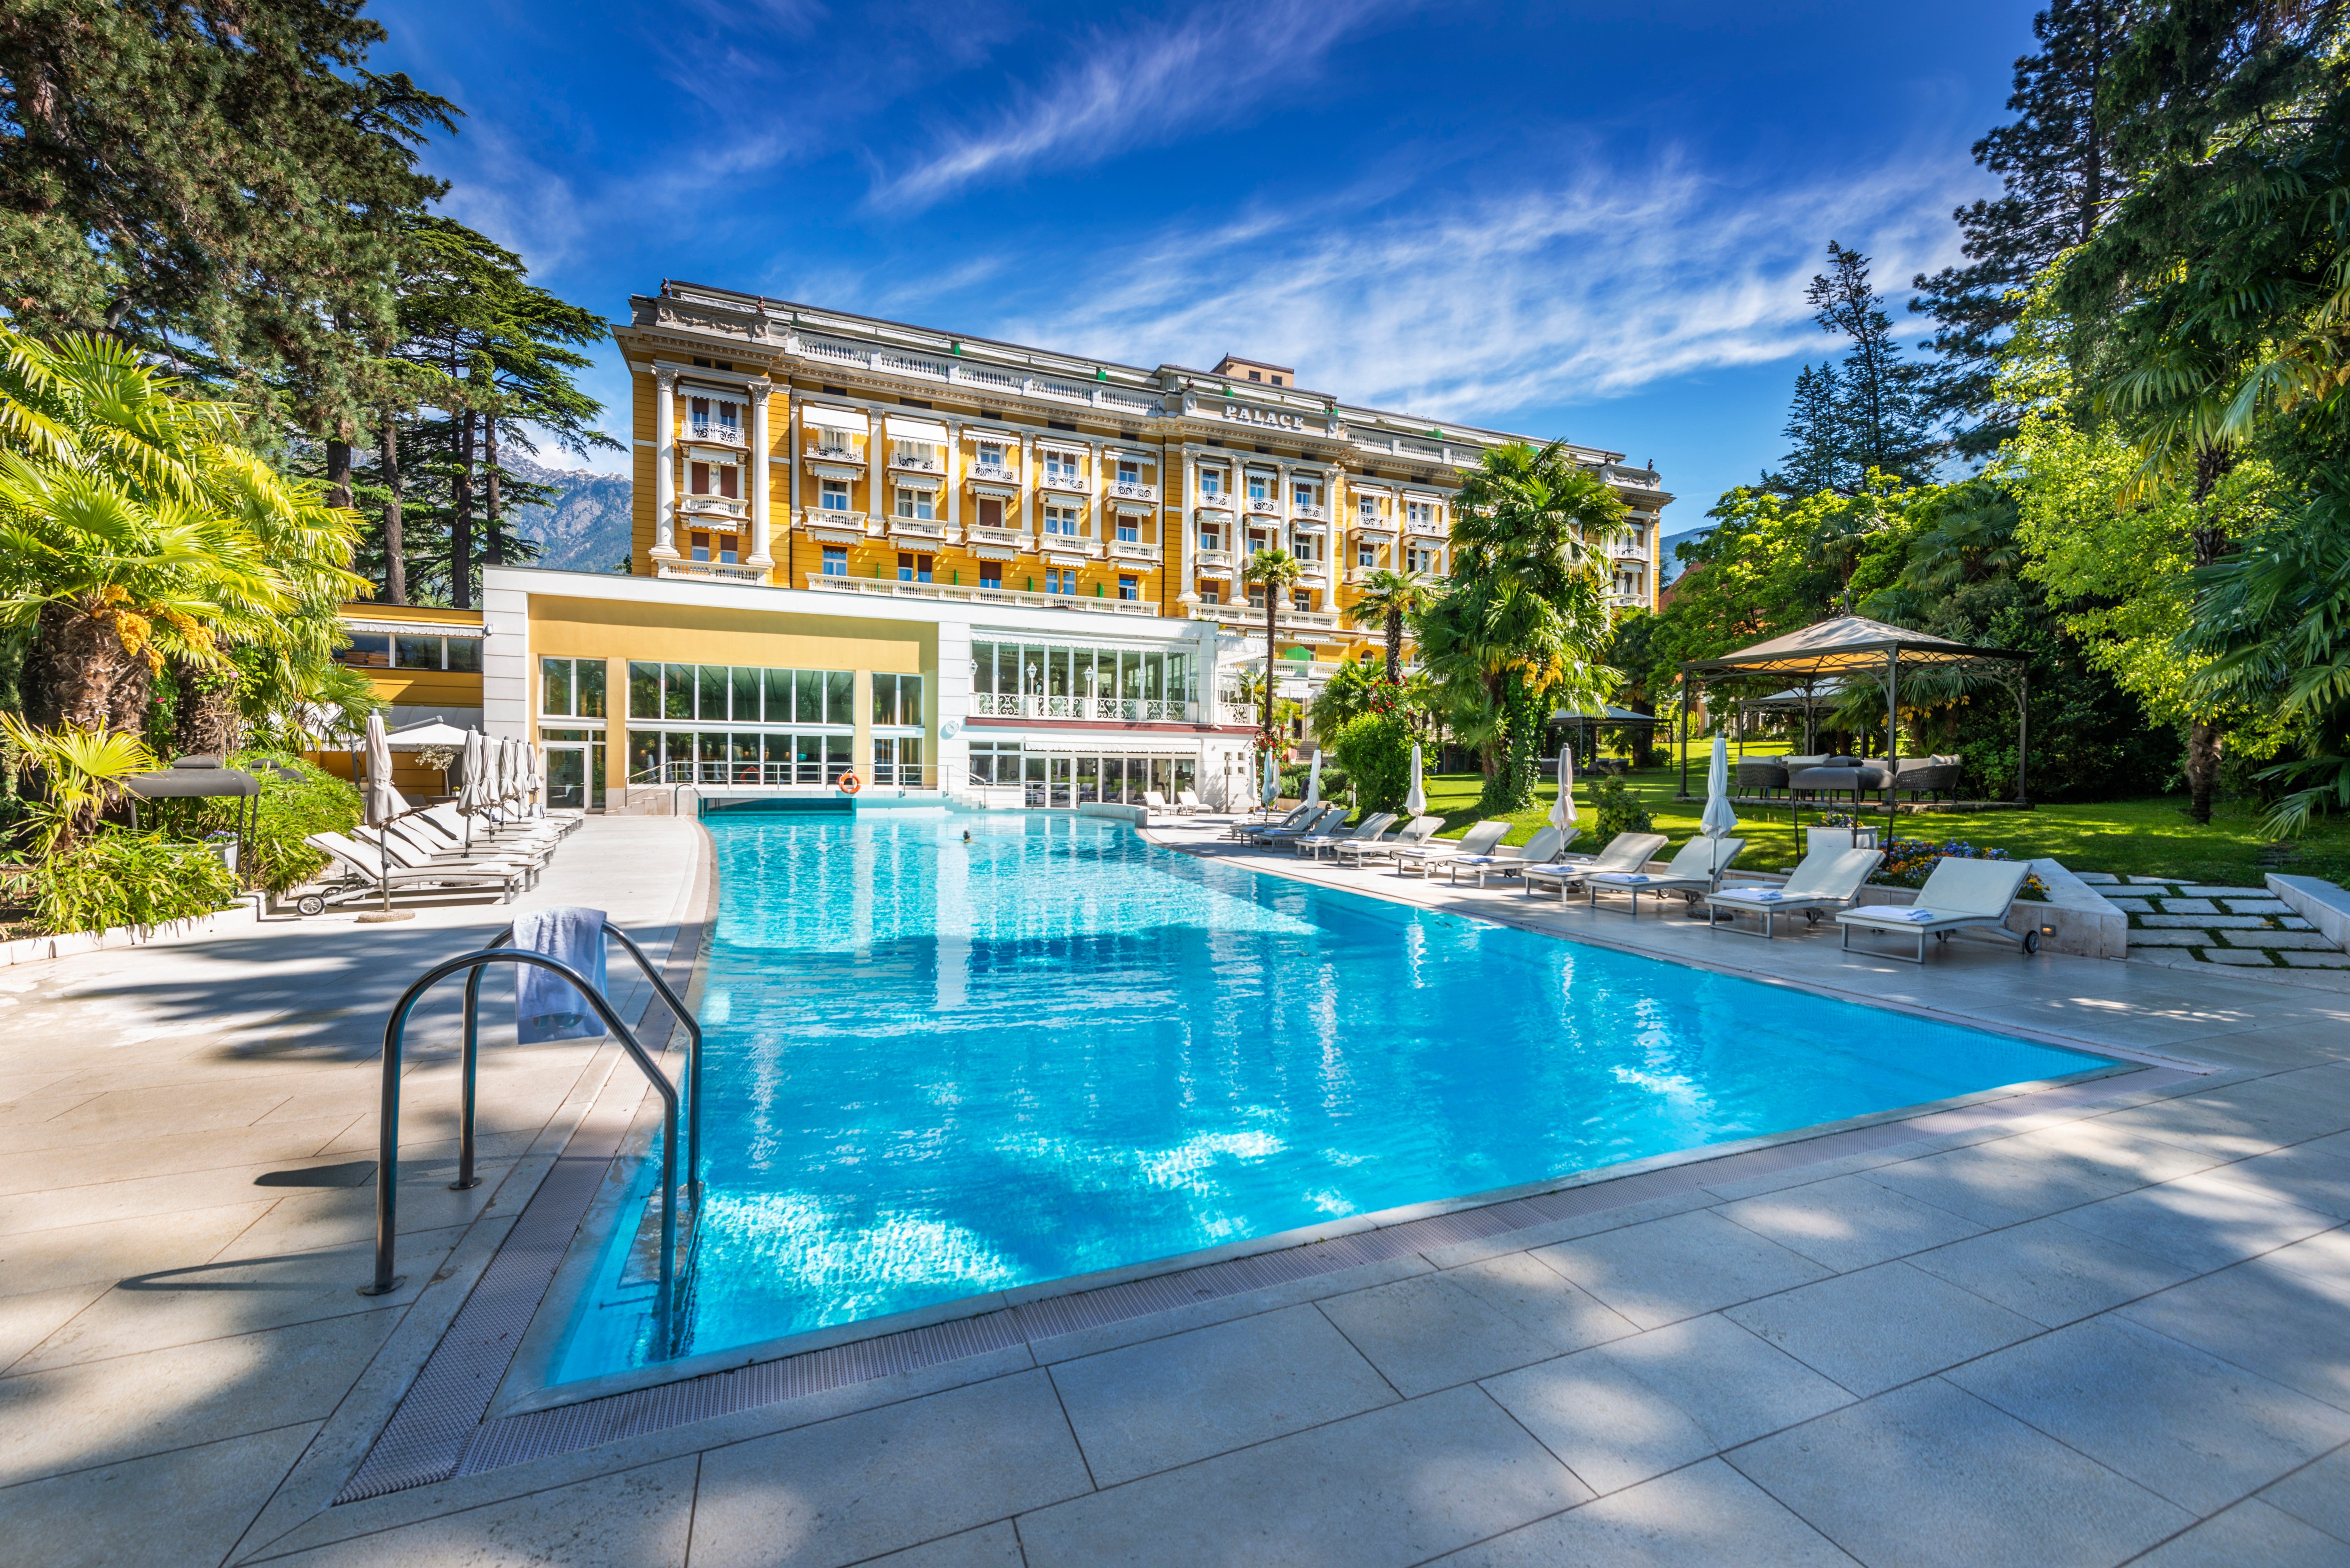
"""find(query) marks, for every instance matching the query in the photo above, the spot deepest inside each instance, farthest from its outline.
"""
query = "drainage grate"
(437, 1432)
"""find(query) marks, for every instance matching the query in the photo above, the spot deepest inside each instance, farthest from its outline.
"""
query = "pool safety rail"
(472, 965)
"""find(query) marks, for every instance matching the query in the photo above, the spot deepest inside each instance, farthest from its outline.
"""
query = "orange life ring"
(850, 784)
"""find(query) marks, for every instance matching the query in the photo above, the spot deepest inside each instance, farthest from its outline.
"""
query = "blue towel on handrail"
(548, 1006)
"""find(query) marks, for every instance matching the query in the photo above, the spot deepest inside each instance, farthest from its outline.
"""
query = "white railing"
(1132, 490)
(1313, 525)
(712, 506)
(1263, 506)
(1077, 483)
(1464, 457)
(1212, 560)
(1307, 512)
(713, 432)
(919, 463)
(786, 776)
(713, 571)
(821, 518)
(1253, 616)
(937, 368)
(883, 588)
(1125, 709)
(835, 451)
(1217, 504)
(1236, 712)
(1134, 550)
(1009, 538)
(917, 526)
(1430, 527)
(993, 473)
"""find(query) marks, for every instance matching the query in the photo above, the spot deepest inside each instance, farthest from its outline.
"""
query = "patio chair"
(1693, 873)
(1187, 802)
(1370, 826)
(362, 874)
(1543, 847)
(1479, 840)
(1152, 801)
(1934, 777)
(1329, 817)
(1959, 895)
(1825, 879)
(1363, 851)
(1625, 852)
(1760, 776)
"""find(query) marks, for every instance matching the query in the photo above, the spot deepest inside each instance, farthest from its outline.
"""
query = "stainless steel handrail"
(395, 1030)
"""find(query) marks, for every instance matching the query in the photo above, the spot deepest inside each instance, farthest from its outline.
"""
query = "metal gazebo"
(1582, 721)
(1823, 663)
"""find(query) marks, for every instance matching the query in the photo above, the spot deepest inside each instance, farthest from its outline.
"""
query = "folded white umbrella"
(473, 794)
(1718, 819)
(1272, 781)
(1313, 780)
(1415, 800)
(1562, 810)
(383, 802)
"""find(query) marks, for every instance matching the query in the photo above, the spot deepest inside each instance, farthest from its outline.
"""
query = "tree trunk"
(1513, 789)
(460, 518)
(1395, 646)
(2202, 768)
(493, 537)
(206, 721)
(395, 567)
(79, 676)
(339, 472)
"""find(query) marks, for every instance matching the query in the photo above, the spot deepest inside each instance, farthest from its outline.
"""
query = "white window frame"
(915, 504)
(826, 489)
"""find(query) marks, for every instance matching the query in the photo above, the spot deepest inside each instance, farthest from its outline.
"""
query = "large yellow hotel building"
(950, 566)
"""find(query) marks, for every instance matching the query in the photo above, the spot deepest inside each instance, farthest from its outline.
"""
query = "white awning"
(918, 430)
(833, 418)
(411, 629)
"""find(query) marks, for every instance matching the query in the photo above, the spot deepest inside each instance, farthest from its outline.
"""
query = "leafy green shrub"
(1375, 752)
(116, 877)
(1616, 809)
(275, 858)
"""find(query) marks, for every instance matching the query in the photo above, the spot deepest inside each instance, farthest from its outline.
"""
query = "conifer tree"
(2063, 174)
(1815, 425)
(1877, 403)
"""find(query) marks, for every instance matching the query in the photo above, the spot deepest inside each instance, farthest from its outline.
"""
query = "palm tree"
(135, 529)
(1275, 569)
(1525, 616)
(1392, 598)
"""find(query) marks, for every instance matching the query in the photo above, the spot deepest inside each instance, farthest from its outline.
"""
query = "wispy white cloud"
(1149, 84)
(1471, 306)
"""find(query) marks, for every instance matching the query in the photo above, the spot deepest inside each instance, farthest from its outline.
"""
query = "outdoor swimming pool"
(938, 1068)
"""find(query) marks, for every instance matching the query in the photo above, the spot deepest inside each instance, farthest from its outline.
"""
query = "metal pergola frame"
(1821, 665)
(1609, 718)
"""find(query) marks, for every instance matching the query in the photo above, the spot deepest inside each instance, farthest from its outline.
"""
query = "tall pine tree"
(1877, 416)
(1815, 425)
(2063, 174)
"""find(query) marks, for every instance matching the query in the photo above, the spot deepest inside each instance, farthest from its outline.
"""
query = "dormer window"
(1255, 375)
(1277, 380)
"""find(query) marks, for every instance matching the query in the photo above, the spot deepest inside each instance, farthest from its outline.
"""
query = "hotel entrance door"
(567, 777)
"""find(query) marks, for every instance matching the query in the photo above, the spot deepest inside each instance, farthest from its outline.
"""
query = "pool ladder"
(472, 965)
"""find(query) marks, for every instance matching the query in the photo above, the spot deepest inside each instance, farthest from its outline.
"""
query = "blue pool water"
(937, 1068)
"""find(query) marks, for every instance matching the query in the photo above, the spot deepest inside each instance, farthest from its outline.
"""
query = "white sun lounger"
(1825, 880)
(1959, 895)
(1363, 851)
(1370, 827)
(1273, 837)
(1480, 840)
(1264, 824)
(363, 873)
(408, 855)
(1693, 873)
(1543, 848)
(1187, 802)
(1625, 852)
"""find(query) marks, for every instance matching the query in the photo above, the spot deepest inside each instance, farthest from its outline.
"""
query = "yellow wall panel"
(694, 634)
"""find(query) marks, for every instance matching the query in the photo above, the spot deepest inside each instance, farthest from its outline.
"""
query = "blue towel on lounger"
(548, 1006)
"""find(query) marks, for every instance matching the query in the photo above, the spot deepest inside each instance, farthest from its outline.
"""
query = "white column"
(877, 498)
(665, 464)
(1175, 542)
(1026, 489)
(1093, 510)
(951, 480)
(761, 555)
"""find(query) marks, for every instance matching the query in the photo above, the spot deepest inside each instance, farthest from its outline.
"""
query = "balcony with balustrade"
(720, 507)
(883, 588)
(1305, 511)
(1018, 540)
(1131, 490)
(834, 446)
(715, 432)
(712, 572)
(1135, 552)
(992, 474)
(1065, 481)
(1261, 505)
(1245, 617)
(919, 530)
(1084, 710)
(917, 459)
(1212, 563)
(841, 527)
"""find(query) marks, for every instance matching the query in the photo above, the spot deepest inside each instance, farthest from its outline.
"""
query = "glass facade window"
(571, 688)
(738, 695)
(898, 760)
(576, 761)
(736, 757)
(1036, 680)
(407, 650)
(897, 699)
(835, 560)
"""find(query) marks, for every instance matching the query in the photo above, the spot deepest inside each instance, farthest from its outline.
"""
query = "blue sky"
(1591, 220)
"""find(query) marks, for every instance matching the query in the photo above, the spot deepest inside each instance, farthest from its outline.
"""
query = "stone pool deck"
(2096, 1326)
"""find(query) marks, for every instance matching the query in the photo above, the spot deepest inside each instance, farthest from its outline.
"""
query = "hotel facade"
(947, 566)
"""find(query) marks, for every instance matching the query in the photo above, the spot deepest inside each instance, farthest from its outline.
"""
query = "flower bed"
(1910, 861)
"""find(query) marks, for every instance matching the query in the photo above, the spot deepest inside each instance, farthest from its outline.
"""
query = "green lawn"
(2151, 837)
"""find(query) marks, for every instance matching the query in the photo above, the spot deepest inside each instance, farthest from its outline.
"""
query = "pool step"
(643, 1267)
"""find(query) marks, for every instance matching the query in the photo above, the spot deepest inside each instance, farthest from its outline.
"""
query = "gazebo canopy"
(1854, 645)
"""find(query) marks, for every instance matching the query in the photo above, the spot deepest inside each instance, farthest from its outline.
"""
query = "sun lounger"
(363, 873)
(1327, 818)
(1480, 840)
(1625, 852)
(435, 839)
(1264, 824)
(1187, 802)
(1959, 895)
(485, 830)
(1363, 851)
(1693, 873)
(1370, 827)
(1543, 848)
(1152, 801)
(407, 855)
(1825, 879)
